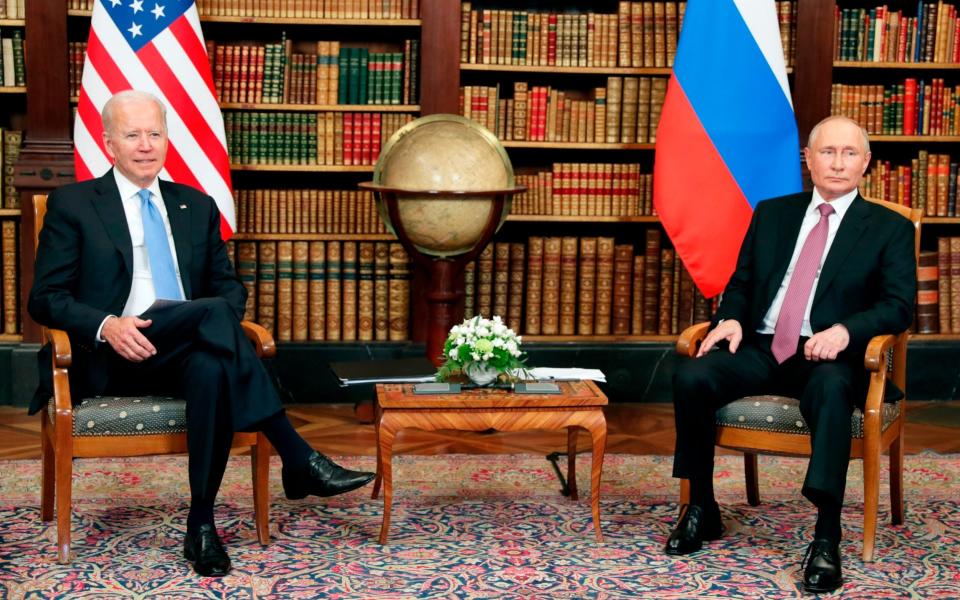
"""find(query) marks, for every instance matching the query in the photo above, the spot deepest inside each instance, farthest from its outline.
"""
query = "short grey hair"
(124, 97)
(816, 130)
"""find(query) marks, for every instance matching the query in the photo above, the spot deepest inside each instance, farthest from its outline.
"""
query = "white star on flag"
(157, 11)
(114, 3)
(134, 30)
(137, 6)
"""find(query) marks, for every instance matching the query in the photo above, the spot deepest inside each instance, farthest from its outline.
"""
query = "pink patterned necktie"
(786, 335)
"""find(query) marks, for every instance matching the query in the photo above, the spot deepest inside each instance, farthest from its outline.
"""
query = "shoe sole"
(822, 590)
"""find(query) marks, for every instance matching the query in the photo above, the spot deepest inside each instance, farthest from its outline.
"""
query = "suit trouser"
(826, 391)
(204, 357)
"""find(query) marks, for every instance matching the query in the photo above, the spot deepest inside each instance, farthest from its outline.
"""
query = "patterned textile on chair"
(128, 415)
(782, 415)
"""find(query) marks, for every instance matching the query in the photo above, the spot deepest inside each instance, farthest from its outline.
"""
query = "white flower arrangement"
(479, 341)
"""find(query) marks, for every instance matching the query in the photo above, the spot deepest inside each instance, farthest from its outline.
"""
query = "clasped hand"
(123, 335)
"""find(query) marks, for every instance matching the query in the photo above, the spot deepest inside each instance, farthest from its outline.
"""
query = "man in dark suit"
(817, 276)
(109, 250)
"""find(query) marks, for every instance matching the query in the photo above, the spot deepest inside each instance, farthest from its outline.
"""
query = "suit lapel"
(110, 208)
(178, 213)
(851, 228)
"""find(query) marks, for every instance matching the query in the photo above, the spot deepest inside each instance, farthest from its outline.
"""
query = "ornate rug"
(470, 526)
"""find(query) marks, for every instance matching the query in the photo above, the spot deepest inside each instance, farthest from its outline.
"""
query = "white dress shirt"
(810, 219)
(142, 294)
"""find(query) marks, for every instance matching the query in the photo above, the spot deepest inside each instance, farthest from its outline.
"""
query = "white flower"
(453, 353)
(474, 356)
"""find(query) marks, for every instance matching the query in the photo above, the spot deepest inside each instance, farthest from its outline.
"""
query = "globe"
(436, 165)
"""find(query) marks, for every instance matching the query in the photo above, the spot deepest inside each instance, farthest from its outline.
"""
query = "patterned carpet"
(468, 526)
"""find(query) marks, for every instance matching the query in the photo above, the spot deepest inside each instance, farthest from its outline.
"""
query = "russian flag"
(727, 137)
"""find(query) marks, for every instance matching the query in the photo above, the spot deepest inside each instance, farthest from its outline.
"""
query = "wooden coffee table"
(580, 404)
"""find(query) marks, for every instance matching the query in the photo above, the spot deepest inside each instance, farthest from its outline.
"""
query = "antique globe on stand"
(443, 185)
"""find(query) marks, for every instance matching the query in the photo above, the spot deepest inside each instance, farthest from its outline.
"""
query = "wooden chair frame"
(869, 448)
(59, 446)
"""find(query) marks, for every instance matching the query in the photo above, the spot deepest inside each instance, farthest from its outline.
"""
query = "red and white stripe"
(175, 68)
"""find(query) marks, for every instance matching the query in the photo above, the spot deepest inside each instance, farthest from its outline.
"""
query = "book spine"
(267, 286)
(534, 285)
(301, 291)
(586, 300)
(515, 294)
(568, 285)
(604, 298)
(485, 282)
(622, 283)
(348, 294)
(381, 291)
(399, 293)
(11, 302)
(927, 293)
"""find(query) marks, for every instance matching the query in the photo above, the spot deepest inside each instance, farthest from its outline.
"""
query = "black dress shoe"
(694, 528)
(321, 477)
(822, 561)
(204, 549)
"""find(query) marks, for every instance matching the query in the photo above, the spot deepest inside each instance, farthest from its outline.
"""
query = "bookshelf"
(897, 72)
(51, 26)
(12, 110)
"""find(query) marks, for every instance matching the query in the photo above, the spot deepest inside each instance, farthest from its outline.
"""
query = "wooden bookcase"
(12, 120)
(46, 159)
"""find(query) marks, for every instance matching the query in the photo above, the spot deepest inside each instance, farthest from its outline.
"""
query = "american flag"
(156, 46)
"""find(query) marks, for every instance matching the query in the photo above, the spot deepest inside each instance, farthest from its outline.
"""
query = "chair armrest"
(62, 359)
(874, 359)
(262, 340)
(60, 344)
(689, 341)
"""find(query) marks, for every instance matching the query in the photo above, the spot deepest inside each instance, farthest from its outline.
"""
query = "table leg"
(572, 462)
(598, 433)
(387, 433)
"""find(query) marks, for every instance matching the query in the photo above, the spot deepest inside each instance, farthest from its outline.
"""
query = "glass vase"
(481, 373)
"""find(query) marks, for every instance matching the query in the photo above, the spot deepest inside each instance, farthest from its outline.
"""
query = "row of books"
(909, 108)
(332, 290)
(585, 286)
(10, 290)
(929, 182)
(321, 138)
(310, 9)
(12, 68)
(307, 211)
(641, 34)
(10, 140)
(585, 189)
(884, 35)
(13, 9)
(938, 288)
(334, 74)
(626, 111)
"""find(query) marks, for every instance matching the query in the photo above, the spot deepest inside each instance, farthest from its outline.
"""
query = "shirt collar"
(840, 205)
(128, 189)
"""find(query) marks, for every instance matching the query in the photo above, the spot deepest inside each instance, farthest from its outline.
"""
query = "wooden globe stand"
(442, 293)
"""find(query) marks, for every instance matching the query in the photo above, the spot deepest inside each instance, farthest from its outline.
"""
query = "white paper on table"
(566, 374)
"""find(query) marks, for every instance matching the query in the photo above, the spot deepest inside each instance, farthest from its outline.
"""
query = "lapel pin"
(183, 206)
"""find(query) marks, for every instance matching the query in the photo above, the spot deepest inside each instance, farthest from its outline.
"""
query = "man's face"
(837, 159)
(137, 141)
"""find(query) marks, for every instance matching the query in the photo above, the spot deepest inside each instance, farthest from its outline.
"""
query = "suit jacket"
(84, 269)
(867, 283)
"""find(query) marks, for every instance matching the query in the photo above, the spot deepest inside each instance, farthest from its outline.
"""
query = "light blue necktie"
(158, 249)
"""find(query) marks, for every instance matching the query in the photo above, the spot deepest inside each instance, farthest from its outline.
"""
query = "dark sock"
(828, 520)
(292, 448)
(201, 513)
(701, 494)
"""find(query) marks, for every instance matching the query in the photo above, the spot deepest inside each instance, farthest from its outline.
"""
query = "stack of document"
(566, 374)
(398, 370)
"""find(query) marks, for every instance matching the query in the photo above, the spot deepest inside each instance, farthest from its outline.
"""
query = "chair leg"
(63, 467)
(871, 501)
(896, 480)
(47, 481)
(752, 478)
(260, 464)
